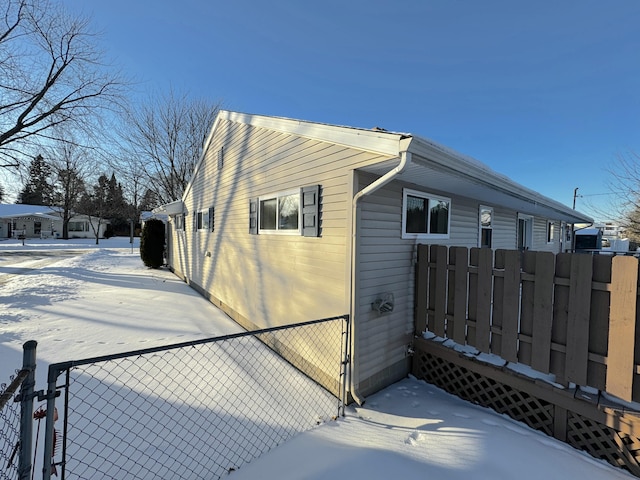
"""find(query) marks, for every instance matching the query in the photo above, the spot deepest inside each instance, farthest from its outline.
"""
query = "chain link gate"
(198, 409)
(16, 432)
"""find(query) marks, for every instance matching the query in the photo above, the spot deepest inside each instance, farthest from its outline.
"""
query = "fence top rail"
(13, 387)
(56, 368)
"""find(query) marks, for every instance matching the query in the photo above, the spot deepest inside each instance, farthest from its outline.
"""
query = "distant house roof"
(19, 210)
(22, 210)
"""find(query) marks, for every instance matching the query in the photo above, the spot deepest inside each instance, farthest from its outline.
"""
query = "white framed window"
(550, 231)
(524, 236)
(280, 213)
(202, 220)
(425, 215)
(485, 227)
(292, 212)
(78, 227)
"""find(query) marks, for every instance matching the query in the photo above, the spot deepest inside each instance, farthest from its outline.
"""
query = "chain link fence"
(15, 418)
(194, 410)
(10, 427)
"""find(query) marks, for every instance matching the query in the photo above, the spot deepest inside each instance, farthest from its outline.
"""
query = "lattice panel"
(484, 391)
(617, 448)
(603, 442)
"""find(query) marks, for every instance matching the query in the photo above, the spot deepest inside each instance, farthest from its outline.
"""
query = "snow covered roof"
(23, 210)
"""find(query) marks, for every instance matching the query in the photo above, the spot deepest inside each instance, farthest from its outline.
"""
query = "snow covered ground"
(102, 300)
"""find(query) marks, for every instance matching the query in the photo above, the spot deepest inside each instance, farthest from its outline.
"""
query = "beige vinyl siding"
(505, 226)
(540, 236)
(386, 264)
(270, 279)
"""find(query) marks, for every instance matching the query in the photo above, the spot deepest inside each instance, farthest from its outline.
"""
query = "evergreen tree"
(1, 193)
(150, 200)
(152, 243)
(39, 189)
(119, 211)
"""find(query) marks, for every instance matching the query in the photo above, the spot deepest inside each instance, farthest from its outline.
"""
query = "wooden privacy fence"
(570, 315)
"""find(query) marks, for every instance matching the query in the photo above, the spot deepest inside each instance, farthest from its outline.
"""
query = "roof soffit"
(442, 171)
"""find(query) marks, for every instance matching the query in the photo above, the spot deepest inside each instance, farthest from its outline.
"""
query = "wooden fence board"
(431, 290)
(543, 311)
(460, 256)
(439, 255)
(620, 361)
(560, 317)
(599, 322)
(472, 299)
(526, 306)
(422, 270)
(511, 306)
(497, 312)
(578, 318)
(483, 320)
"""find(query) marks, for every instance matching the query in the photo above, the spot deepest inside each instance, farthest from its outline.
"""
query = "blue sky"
(544, 92)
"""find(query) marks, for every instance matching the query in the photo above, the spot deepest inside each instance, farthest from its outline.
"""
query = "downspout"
(405, 159)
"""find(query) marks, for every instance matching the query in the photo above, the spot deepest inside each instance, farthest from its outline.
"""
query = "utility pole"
(575, 194)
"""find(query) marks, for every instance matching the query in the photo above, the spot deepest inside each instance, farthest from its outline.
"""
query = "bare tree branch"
(625, 187)
(166, 135)
(57, 76)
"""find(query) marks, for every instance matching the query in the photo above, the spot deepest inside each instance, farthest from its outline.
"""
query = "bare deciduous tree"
(166, 136)
(51, 74)
(71, 167)
(625, 188)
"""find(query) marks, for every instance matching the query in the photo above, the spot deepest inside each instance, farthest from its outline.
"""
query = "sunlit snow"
(102, 299)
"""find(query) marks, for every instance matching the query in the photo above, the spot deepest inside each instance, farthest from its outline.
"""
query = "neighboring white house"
(614, 236)
(37, 221)
(287, 220)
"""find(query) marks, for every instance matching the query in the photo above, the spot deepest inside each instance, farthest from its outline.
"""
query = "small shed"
(588, 239)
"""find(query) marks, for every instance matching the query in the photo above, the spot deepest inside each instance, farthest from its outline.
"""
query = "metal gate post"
(48, 431)
(26, 409)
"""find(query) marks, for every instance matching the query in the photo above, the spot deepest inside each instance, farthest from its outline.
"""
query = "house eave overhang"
(43, 216)
(439, 169)
(173, 208)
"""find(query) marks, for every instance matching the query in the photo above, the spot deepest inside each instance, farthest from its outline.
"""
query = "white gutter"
(405, 159)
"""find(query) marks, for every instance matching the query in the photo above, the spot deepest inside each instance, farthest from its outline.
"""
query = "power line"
(597, 194)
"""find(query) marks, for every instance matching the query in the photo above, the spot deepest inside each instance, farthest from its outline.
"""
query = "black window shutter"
(311, 211)
(211, 218)
(253, 216)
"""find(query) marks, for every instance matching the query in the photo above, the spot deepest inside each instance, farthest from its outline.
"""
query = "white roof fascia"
(386, 143)
(477, 171)
(202, 154)
(33, 214)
